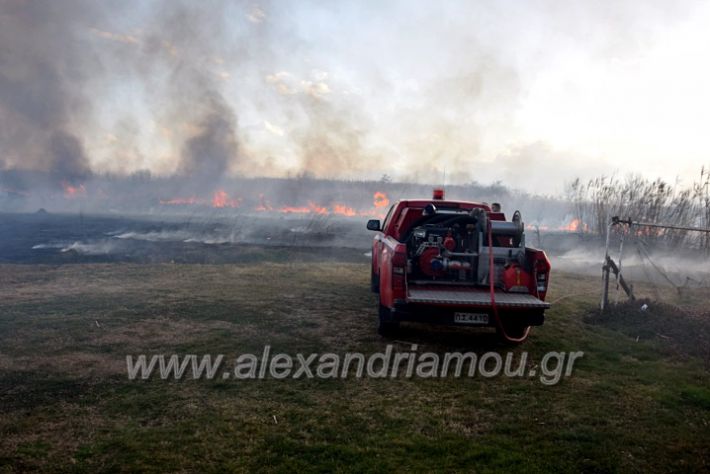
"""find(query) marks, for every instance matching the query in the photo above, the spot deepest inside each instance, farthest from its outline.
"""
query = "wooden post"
(605, 286)
(605, 270)
(628, 289)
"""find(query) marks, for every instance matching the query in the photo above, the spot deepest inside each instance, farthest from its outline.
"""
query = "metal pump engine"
(447, 246)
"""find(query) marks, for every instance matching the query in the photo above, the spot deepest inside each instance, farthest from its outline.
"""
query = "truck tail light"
(541, 283)
(542, 272)
(399, 270)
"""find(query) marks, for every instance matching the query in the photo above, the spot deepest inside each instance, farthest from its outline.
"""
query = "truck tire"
(374, 282)
(387, 327)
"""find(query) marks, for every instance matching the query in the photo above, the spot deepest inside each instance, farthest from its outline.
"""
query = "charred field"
(637, 401)
(77, 238)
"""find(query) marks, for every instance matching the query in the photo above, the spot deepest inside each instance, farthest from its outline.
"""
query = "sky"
(533, 93)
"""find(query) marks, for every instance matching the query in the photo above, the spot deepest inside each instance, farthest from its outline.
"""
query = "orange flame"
(317, 209)
(575, 225)
(572, 226)
(221, 199)
(311, 208)
(71, 192)
(343, 210)
(380, 199)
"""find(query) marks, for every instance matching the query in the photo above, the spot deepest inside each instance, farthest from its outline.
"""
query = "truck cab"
(459, 263)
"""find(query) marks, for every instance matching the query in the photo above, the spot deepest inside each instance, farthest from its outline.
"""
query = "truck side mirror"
(373, 224)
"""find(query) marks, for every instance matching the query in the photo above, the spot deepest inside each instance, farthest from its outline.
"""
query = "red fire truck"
(458, 263)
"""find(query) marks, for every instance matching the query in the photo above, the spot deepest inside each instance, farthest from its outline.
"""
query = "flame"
(317, 209)
(343, 210)
(311, 208)
(380, 199)
(575, 225)
(222, 199)
(71, 192)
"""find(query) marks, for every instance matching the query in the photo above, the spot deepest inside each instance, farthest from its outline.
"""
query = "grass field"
(638, 401)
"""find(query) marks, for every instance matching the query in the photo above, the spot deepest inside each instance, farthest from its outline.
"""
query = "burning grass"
(631, 405)
(221, 199)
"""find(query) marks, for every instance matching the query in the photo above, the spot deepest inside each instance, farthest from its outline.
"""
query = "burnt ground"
(214, 238)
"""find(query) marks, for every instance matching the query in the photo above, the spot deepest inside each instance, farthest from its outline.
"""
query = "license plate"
(470, 318)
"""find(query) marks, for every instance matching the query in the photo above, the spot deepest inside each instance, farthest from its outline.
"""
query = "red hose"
(491, 277)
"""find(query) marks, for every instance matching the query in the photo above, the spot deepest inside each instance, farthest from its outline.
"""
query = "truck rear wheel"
(387, 326)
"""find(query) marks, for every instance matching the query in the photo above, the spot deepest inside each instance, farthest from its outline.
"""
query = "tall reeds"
(594, 203)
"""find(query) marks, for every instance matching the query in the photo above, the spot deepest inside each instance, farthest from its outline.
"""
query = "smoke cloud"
(214, 89)
(60, 72)
(207, 155)
(42, 76)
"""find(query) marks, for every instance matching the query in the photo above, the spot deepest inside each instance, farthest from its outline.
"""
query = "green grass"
(637, 402)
